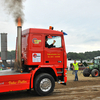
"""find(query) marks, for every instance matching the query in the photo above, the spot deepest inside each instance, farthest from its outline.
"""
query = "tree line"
(83, 56)
(10, 54)
(70, 55)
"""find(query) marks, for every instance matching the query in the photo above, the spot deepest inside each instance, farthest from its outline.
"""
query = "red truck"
(40, 66)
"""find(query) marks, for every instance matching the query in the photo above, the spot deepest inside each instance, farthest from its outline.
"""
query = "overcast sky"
(80, 19)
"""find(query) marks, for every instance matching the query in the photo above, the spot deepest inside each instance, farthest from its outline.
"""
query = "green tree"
(83, 56)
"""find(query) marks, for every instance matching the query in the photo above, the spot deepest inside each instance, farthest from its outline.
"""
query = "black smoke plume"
(15, 8)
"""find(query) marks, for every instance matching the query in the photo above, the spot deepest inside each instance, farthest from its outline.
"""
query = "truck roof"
(41, 31)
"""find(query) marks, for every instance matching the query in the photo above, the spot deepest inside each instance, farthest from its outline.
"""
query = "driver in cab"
(47, 45)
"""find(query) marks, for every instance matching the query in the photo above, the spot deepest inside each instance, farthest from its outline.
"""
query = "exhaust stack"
(4, 50)
(19, 32)
(4, 46)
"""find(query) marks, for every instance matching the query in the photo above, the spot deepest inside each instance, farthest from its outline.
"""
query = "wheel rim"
(45, 84)
(96, 73)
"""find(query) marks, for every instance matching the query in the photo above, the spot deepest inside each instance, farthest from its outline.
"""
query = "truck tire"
(95, 73)
(86, 72)
(44, 84)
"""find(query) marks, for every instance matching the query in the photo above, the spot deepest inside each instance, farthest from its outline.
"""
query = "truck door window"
(50, 41)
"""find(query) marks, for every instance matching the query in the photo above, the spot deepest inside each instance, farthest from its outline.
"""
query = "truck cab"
(36, 55)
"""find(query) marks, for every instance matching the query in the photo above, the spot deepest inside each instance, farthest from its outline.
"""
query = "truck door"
(36, 49)
(53, 53)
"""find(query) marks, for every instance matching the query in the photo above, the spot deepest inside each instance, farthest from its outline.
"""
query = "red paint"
(14, 82)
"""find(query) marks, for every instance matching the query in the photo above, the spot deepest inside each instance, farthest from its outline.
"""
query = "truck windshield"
(58, 42)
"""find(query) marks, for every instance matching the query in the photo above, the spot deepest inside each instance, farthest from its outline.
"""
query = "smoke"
(15, 8)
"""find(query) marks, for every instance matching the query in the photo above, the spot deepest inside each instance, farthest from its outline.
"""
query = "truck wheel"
(44, 84)
(86, 72)
(95, 73)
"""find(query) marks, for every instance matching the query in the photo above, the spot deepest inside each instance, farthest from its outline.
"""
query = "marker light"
(65, 33)
(50, 27)
(50, 37)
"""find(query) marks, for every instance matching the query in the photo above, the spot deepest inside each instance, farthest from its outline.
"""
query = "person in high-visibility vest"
(75, 67)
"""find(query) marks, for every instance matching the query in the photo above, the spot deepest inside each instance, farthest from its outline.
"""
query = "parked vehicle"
(94, 69)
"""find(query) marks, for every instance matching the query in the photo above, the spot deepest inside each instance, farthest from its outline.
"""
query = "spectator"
(75, 67)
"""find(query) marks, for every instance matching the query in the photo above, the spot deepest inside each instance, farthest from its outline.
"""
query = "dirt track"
(86, 88)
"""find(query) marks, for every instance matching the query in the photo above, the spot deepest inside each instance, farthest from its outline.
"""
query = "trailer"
(37, 67)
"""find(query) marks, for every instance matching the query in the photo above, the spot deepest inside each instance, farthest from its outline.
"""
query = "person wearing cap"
(75, 67)
(47, 45)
